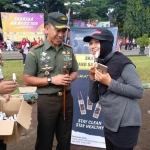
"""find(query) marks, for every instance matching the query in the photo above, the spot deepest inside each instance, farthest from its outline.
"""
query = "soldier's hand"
(61, 79)
(7, 87)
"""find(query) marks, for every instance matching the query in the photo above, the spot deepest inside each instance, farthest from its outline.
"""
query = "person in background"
(28, 41)
(126, 43)
(9, 45)
(117, 91)
(25, 48)
(39, 40)
(1, 34)
(118, 46)
(45, 68)
(13, 43)
(130, 45)
(6, 87)
(134, 43)
(34, 42)
(45, 32)
(1, 46)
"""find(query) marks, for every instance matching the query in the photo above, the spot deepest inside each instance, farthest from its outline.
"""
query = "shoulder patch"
(31, 53)
(67, 45)
(38, 45)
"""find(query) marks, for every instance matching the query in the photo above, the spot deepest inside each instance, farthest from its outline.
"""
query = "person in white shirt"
(25, 51)
(9, 45)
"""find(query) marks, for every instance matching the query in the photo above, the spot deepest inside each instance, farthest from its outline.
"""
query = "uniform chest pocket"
(67, 62)
(64, 60)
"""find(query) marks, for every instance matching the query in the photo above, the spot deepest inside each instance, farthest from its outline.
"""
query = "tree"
(32, 6)
(137, 18)
(15, 6)
(47, 6)
(88, 10)
(119, 13)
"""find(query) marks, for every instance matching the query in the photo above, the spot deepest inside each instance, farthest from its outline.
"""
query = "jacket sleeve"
(131, 87)
(93, 91)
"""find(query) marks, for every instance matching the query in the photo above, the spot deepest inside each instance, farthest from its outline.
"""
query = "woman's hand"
(92, 72)
(102, 78)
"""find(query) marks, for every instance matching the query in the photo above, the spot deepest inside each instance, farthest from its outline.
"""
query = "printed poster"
(22, 25)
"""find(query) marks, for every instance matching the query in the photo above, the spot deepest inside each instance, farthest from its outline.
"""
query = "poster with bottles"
(87, 127)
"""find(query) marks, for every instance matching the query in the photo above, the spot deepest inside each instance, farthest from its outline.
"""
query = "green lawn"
(143, 67)
(15, 66)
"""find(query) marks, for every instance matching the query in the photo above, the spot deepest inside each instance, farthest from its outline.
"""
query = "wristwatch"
(49, 80)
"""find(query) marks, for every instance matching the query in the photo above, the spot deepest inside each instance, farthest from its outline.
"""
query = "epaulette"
(31, 53)
(38, 45)
(67, 45)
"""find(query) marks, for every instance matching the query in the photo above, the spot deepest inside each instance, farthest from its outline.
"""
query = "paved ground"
(16, 55)
(27, 140)
(28, 137)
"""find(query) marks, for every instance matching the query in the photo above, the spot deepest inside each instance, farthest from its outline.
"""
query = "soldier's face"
(55, 36)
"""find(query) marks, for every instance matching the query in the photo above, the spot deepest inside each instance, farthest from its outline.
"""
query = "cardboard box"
(27, 89)
(10, 131)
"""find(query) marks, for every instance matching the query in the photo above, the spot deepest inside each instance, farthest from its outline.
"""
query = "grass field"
(142, 64)
(15, 66)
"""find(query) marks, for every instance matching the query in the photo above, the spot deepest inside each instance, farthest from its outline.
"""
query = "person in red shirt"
(22, 43)
(24, 46)
(28, 41)
(34, 42)
(1, 46)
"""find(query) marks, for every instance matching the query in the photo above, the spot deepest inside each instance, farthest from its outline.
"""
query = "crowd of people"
(23, 47)
(12, 46)
(130, 44)
(52, 67)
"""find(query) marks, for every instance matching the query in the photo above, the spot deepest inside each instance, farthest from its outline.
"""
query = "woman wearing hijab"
(25, 48)
(117, 91)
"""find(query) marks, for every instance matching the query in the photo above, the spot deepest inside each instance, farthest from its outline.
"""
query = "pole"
(64, 94)
(68, 16)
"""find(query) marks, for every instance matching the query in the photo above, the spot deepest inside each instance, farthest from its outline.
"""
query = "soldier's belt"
(57, 94)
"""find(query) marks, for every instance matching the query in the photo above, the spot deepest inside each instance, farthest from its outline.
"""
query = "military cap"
(58, 20)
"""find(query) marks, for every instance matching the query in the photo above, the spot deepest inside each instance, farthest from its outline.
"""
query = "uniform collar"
(48, 45)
